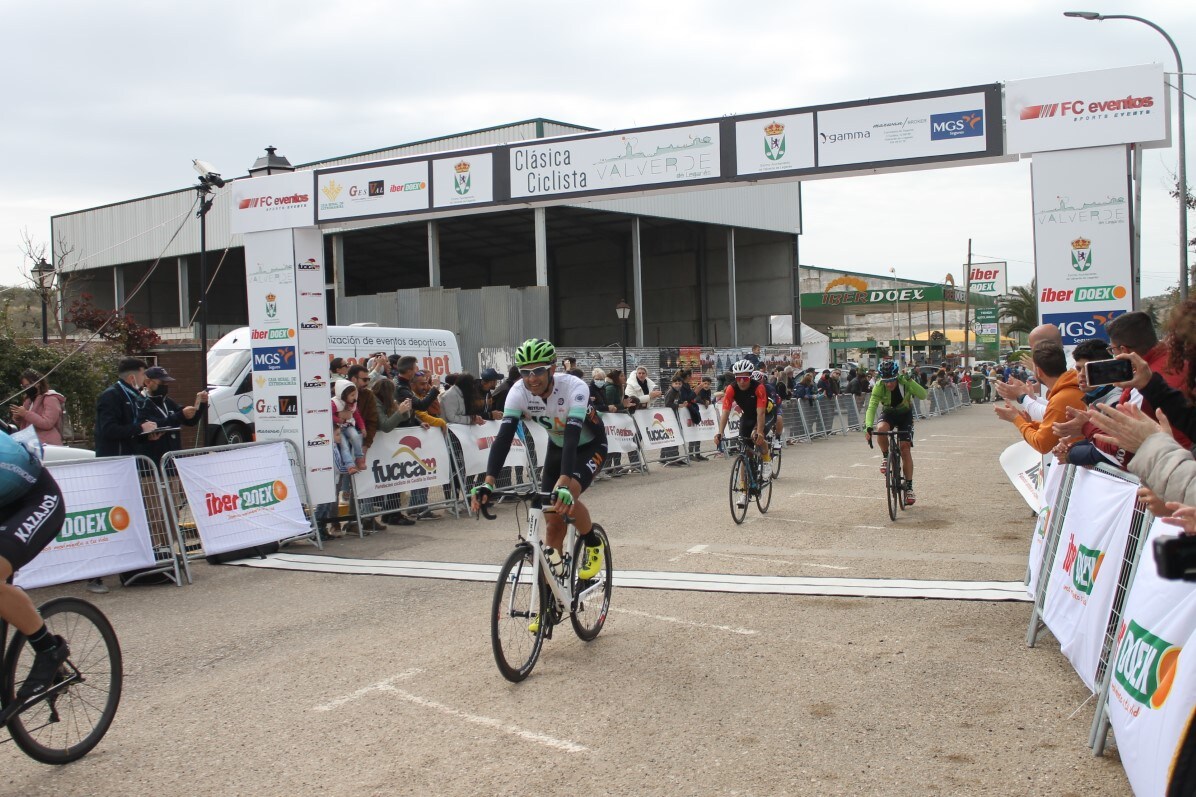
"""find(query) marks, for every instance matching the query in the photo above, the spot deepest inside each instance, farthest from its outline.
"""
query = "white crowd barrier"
(1123, 628)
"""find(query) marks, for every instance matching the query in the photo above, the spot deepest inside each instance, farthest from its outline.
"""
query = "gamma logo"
(93, 523)
(1145, 666)
(964, 124)
(407, 464)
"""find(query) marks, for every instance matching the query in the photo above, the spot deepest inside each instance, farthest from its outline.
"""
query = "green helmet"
(535, 350)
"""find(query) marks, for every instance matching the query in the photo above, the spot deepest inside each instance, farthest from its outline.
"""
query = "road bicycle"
(747, 483)
(528, 588)
(63, 723)
(894, 481)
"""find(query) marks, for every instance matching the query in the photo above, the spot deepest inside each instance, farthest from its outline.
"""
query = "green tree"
(1020, 308)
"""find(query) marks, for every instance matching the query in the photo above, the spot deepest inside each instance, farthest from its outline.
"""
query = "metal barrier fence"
(191, 544)
(169, 553)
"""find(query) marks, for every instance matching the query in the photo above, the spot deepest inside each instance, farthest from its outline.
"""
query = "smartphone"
(1108, 372)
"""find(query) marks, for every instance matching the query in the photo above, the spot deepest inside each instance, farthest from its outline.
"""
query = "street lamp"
(45, 283)
(896, 312)
(1183, 175)
(623, 311)
(209, 179)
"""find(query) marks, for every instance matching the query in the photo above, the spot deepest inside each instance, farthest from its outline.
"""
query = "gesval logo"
(256, 497)
(1075, 108)
(410, 466)
(1145, 665)
(93, 523)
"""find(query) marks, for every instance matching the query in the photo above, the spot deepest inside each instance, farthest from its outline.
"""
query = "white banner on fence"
(1153, 691)
(242, 497)
(620, 433)
(539, 441)
(105, 531)
(476, 441)
(705, 429)
(1022, 464)
(659, 428)
(404, 460)
(1087, 563)
(1050, 495)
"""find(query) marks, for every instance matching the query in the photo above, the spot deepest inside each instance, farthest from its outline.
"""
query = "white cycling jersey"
(569, 402)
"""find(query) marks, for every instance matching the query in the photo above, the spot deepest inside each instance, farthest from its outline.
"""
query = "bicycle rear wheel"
(776, 460)
(738, 490)
(891, 479)
(764, 491)
(591, 596)
(67, 724)
(515, 647)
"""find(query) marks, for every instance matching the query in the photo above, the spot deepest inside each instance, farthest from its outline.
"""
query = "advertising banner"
(1049, 495)
(404, 460)
(774, 143)
(373, 190)
(476, 441)
(1086, 109)
(1087, 562)
(989, 279)
(705, 429)
(277, 202)
(923, 128)
(540, 442)
(1153, 689)
(105, 531)
(658, 428)
(466, 180)
(1022, 464)
(284, 285)
(643, 158)
(620, 433)
(243, 497)
(1082, 239)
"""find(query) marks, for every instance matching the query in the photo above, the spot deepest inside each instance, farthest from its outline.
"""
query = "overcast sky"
(110, 101)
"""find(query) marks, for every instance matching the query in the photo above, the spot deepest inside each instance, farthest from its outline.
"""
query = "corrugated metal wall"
(493, 317)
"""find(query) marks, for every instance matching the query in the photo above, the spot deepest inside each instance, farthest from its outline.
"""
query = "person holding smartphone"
(167, 414)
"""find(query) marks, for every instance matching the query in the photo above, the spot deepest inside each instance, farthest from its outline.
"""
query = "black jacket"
(403, 392)
(163, 411)
(117, 426)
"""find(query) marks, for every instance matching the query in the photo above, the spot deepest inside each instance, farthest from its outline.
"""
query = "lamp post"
(1092, 16)
(45, 282)
(896, 312)
(209, 180)
(623, 311)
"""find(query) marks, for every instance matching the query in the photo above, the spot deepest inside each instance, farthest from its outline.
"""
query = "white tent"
(815, 346)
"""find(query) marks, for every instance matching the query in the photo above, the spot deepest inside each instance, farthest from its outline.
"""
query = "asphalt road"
(265, 682)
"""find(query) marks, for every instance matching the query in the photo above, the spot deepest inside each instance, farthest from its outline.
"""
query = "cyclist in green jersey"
(894, 394)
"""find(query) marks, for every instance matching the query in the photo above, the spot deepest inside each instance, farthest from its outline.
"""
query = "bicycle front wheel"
(591, 596)
(739, 489)
(514, 636)
(892, 479)
(776, 460)
(764, 494)
(67, 724)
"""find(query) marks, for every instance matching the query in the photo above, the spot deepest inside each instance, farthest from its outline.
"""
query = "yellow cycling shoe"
(592, 564)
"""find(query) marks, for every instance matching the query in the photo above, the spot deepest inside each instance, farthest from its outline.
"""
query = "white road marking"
(678, 620)
(695, 549)
(386, 685)
(498, 725)
(769, 560)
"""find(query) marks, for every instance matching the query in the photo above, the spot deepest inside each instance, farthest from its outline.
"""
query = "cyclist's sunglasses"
(742, 376)
(536, 372)
(892, 381)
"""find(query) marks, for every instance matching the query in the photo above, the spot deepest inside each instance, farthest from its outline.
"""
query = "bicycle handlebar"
(528, 496)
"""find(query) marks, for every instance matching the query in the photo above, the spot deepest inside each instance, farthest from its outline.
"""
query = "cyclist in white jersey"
(577, 444)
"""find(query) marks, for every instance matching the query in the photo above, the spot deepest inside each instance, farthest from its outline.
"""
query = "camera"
(1175, 557)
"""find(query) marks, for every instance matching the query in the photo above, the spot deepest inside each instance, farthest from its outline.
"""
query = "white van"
(230, 378)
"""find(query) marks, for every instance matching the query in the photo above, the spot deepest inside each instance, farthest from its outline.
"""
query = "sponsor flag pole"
(967, 301)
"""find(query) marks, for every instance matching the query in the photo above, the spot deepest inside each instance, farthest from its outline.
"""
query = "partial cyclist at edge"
(758, 403)
(576, 452)
(31, 515)
(894, 394)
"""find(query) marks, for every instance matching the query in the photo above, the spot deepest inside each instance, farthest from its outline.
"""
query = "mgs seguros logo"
(280, 358)
(961, 124)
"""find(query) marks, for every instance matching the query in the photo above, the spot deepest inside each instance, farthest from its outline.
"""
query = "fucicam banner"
(620, 433)
(1049, 497)
(705, 429)
(1088, 558)
(658, 428)
(1152, 693)
(403, 460)
(476, 441)
(243, 497)
(105, 530)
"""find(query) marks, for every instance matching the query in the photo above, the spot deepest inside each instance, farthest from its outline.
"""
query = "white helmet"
(743, 367)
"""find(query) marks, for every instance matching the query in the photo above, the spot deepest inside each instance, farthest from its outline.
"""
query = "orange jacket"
(1066, 393)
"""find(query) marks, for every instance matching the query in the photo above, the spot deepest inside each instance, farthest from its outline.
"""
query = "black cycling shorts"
(590, 459)
(31, 522)
(747, 424)
(902, 422)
